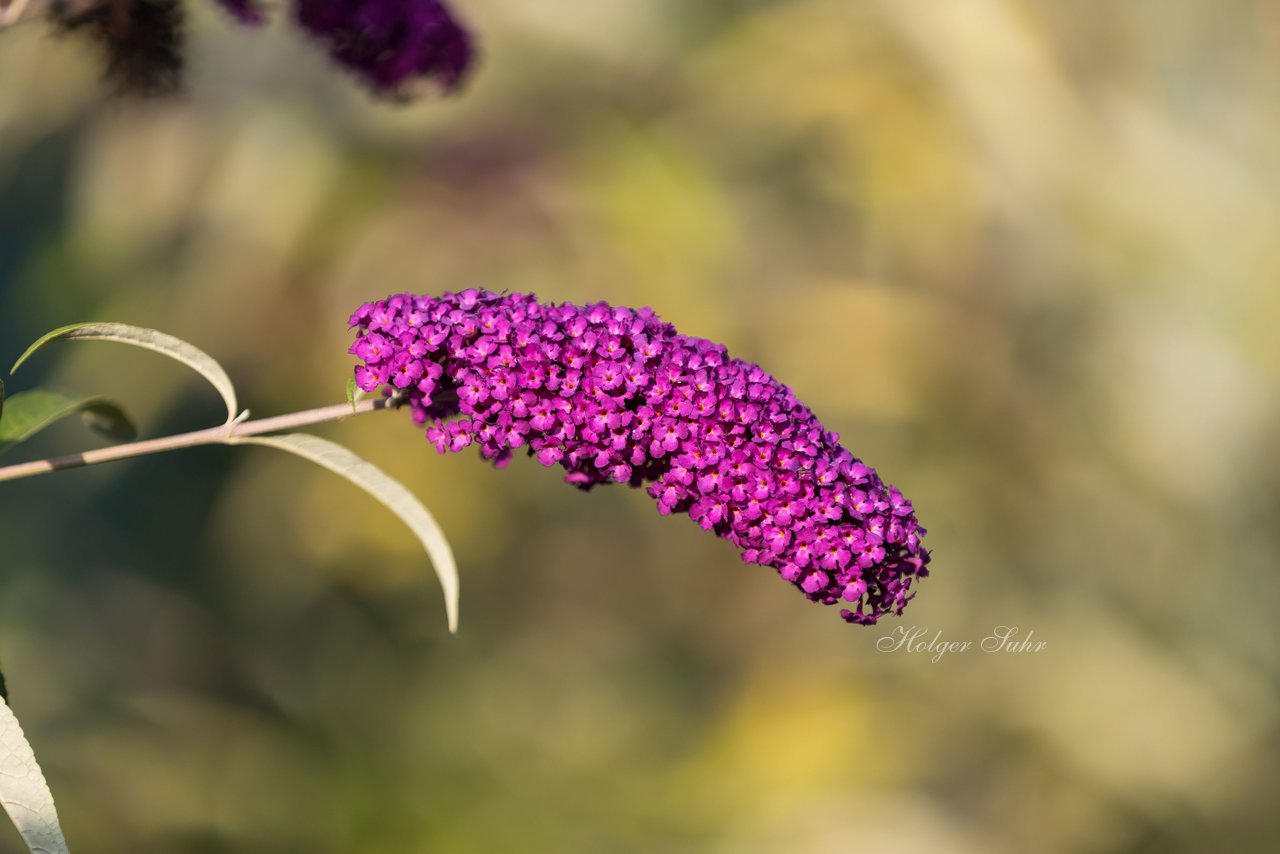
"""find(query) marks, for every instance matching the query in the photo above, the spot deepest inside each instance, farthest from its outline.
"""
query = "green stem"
(224, 434)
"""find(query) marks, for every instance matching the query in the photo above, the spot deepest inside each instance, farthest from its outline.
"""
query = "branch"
(221, 435)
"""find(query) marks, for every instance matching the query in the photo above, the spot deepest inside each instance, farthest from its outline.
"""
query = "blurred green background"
(1023, 255)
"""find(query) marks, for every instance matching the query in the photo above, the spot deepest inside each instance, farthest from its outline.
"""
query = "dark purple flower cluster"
(141, 40)
(388, 43)
(613, 394)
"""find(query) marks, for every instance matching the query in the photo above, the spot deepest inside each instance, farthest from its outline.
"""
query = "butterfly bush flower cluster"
(391, 45)
(387, 43)
(615, 395)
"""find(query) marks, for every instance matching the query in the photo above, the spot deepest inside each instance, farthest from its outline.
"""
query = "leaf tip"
(18, 364)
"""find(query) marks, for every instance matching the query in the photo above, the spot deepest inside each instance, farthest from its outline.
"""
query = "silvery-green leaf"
(351, 392)
(149, 339)
(24, 792)
(389, 491)
(29, 412)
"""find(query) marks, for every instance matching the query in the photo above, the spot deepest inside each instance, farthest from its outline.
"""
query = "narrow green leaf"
(29, 412)
(149, 339)
(383, 487)
(24, 792)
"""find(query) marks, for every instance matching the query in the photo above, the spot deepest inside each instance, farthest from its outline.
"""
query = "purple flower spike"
(390, 42)
(614, 395)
